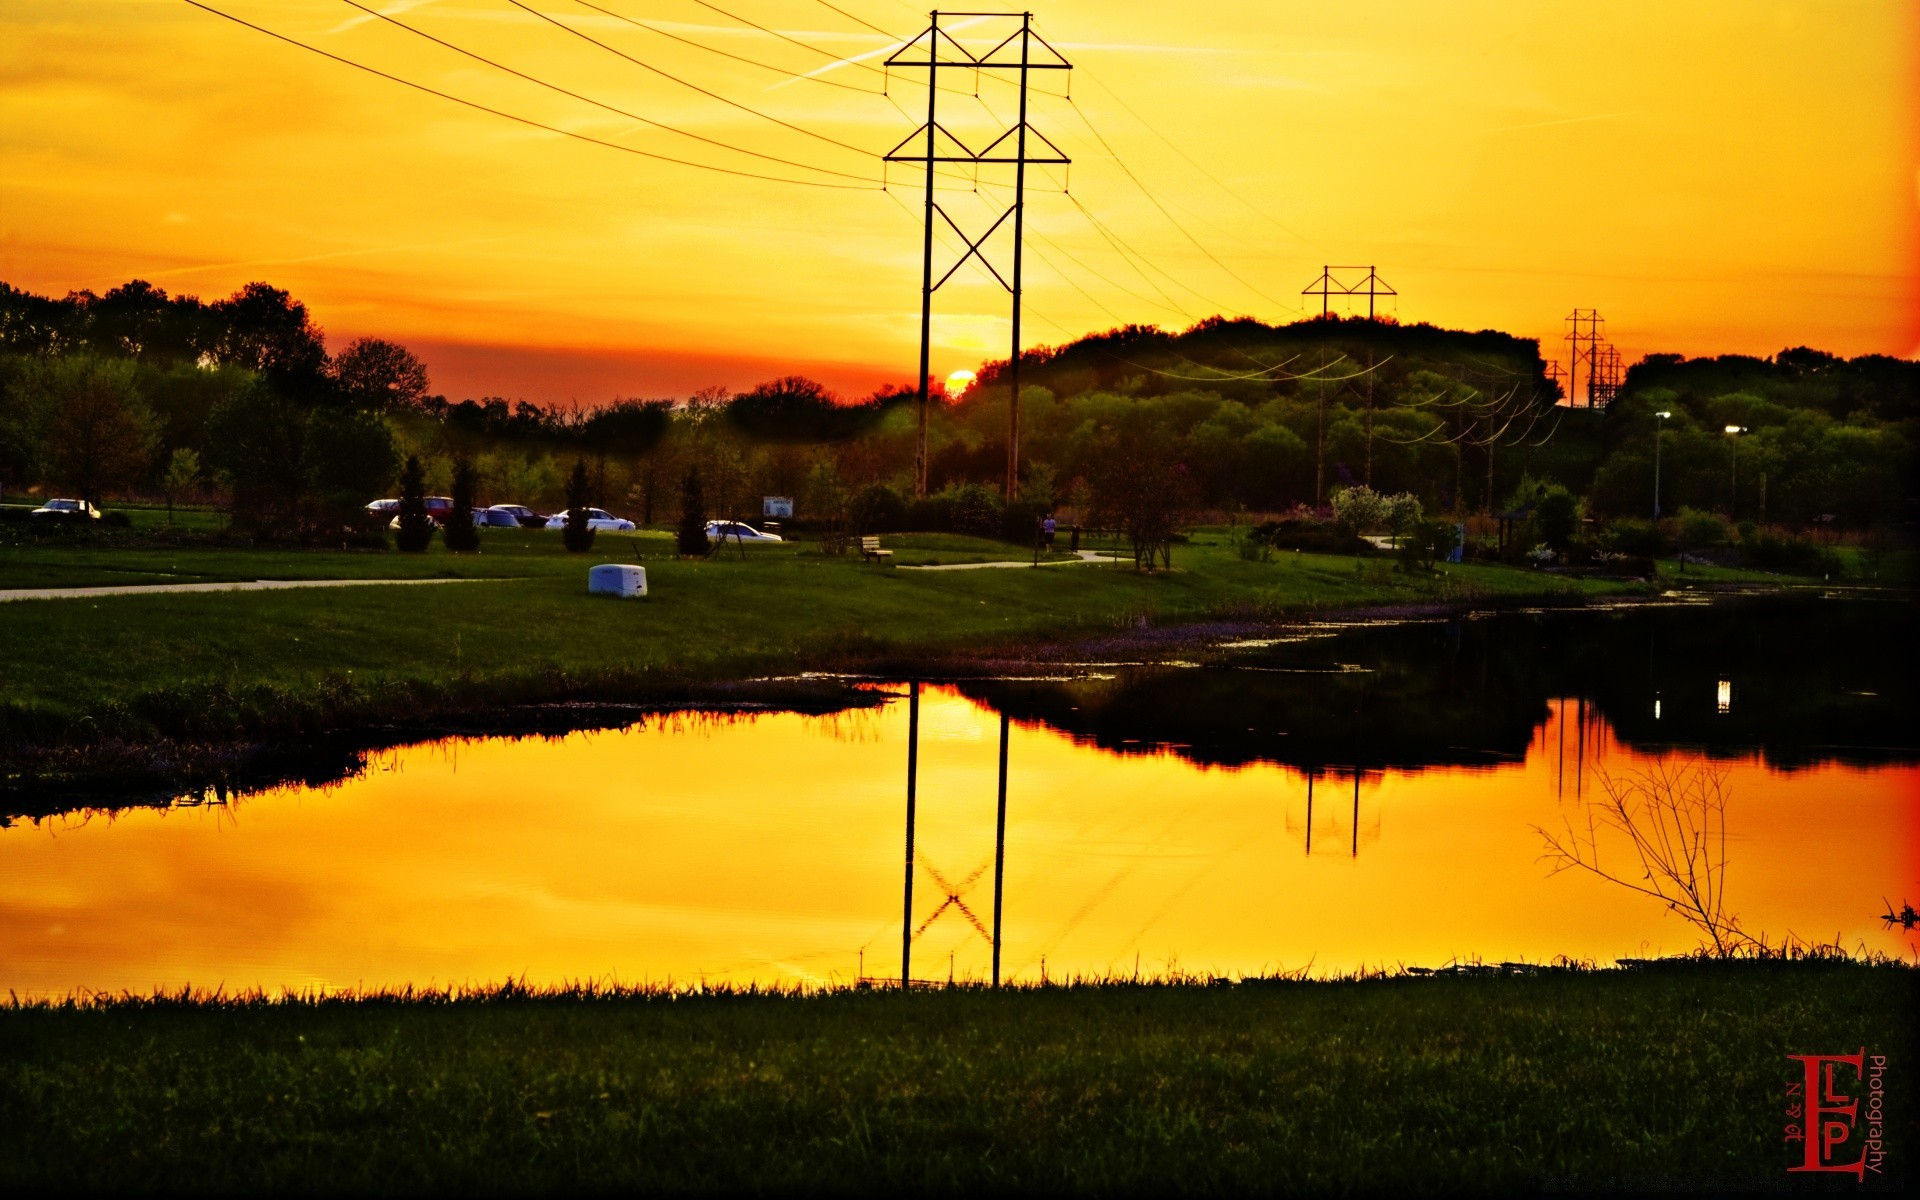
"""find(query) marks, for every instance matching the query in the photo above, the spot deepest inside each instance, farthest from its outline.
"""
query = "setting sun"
(959, 382)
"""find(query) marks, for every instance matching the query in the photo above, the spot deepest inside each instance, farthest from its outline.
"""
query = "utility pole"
(943, 146)
(1372, 287)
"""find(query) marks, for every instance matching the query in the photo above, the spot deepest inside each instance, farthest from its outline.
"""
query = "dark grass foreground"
(1580, 1080)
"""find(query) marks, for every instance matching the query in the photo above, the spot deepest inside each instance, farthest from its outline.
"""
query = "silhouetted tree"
(416, 527)
(578, 534)
(265, 329)
(691, 537)
(380, 375)
(460, 535)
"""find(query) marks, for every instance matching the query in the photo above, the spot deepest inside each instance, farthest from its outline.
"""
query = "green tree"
(98, 433)
(181, 476)
(690, 539)
(460, 535)
(416, 527)
(578, 535)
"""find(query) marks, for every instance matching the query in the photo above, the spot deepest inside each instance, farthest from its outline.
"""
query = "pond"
(1324, 799)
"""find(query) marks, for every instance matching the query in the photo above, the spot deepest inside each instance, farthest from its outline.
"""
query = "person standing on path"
(1046, 532)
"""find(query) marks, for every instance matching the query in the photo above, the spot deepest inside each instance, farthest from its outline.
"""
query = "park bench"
(870, 548)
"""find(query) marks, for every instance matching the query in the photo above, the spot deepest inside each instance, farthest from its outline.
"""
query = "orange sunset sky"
(1712, 175)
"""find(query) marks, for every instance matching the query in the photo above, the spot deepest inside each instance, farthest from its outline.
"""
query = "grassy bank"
(135, 670)
(1580, 1079)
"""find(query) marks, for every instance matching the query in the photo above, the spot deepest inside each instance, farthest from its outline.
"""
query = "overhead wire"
(1222, 184)
(632, 116)
(528, 121)
(752, 62)
(708, 92)
(1171, 219)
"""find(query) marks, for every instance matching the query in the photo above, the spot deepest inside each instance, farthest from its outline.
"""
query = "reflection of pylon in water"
(953, 894)
(1335, 813)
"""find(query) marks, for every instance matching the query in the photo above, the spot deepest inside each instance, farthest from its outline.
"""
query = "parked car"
(598, 519)
(70, 510)
(739, 530)
(509, 516)
(437, 509)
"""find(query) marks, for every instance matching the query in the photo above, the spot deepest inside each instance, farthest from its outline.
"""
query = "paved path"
(1086, 556)
(255, 585)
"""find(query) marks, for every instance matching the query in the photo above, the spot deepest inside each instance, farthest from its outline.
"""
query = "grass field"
(234, 667)
(1578, 1080)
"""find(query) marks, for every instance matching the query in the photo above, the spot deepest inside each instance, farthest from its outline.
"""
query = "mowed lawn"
(1662, 1077)
(528, 630)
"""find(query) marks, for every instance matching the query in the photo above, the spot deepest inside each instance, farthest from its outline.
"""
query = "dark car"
(509, 516)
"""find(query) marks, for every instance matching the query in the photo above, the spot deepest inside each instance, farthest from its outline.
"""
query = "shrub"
(1701, 530)
(1798, 556)
(416, 527)
(1357, 510)
(1556, 517)
(460, 535)
(1639, 539)
(976, 510)
(578, 535)
(877, 509)
(1426, 544)
(690, 536)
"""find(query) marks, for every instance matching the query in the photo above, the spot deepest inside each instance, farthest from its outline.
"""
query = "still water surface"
(1359, 799)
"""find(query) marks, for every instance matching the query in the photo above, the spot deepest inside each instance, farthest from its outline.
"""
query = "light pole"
(1733, 466)
(1659, 425)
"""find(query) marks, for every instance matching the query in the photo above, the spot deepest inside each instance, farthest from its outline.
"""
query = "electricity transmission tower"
(1015, 52)
(1591, 355)
(1326, 287)
(1607, 375)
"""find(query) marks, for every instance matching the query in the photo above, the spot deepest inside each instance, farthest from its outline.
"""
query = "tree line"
(239, 400)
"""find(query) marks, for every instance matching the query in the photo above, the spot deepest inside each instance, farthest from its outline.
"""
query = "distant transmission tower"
(942, 146)
(1591, 355)
(1608, 372)
(1372, 286)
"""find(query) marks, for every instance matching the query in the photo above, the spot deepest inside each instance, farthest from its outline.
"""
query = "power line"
(787, 162)
(1222, 184)
(801, 129)
(1155, 200)
(856, 20)
(752, 62)
(421, 87)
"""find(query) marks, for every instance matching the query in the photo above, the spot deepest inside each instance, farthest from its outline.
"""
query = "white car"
(598, 519)
(75, 509)
(739, 530)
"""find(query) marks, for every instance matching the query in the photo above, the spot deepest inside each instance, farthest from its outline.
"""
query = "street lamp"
(1733, 465)
(1658, 426)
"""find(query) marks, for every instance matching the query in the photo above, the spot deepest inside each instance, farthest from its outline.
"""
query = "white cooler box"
(617, 579)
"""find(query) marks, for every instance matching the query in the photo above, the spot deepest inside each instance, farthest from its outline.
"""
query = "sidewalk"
(255, 585)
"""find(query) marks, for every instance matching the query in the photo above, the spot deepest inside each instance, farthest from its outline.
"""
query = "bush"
(976, 510)
(1556, 517)
(416, 527)
(1313, 537)
(1639, 539)
(877, 509)
(1701, 530)
(1357, 510)
(1426, 544)
(1797, 556)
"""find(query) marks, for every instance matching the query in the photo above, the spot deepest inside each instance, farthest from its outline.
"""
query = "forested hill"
(1245, 359)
